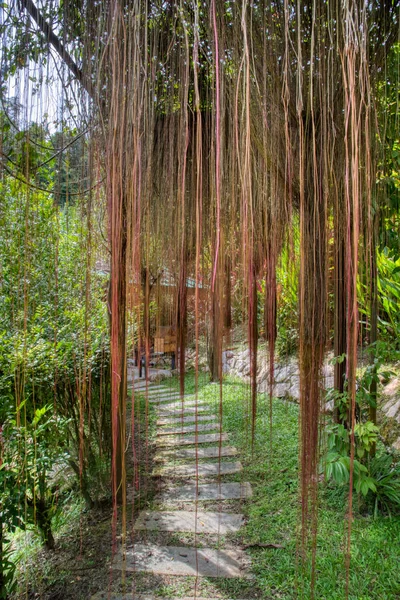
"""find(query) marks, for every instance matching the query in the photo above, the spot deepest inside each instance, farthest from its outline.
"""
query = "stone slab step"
(155, 389)
(193, 522)
(188, 410)
(182, 405)
(130, 596)
(189, 440)
(140, 387)
(208, 491)
(166, 398)
(164, 394)
(202, 470)
(184, 419)
(192, 453)
(181, 561)
(188, 429)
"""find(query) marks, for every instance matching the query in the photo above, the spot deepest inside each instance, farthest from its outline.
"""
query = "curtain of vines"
(217, 124)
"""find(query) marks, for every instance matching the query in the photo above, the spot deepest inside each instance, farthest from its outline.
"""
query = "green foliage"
(386, 476)
(389, 294)
(37, 453)
(54, 364)
(377, 479)
(388, 287)
(389, 161)
(366, 435)
(337, 462)
(371, 376)
(288, 300)
(12, 494)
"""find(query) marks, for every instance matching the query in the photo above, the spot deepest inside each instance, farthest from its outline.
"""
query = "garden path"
(193, 468)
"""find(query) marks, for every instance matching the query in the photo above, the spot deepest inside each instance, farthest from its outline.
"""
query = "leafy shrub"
(386, 476)
(37, 454)
(377, 480)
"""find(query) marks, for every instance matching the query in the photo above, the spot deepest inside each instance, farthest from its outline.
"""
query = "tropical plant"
(386, 475)
(38, 455)
(377, 479)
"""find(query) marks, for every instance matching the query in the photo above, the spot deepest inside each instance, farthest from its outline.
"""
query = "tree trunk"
(44, 524)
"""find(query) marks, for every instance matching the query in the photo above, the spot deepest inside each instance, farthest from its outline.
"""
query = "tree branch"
(57, 45)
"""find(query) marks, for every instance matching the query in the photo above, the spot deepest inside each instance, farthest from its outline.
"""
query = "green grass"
(272, 514)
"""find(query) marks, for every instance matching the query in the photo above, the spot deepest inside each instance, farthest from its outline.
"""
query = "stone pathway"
(176, 423)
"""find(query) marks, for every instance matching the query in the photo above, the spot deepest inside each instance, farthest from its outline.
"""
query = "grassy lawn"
(272, 514)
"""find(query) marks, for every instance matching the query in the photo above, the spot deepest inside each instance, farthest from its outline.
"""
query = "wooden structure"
(165, 340)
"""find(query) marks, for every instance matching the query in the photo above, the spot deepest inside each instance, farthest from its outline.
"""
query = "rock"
(327, 370)
(390, 411)
(329, 406)
(281, 390)
(246, 370)
(391, 393)
(245, 354)
(263, 374)
(286, 372)
(294, 390)
(396, 444)
(328, 382)
(392, 408)
(240, 366)
(392, 388)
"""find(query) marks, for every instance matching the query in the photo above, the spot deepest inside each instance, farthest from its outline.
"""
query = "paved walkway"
(190, 446)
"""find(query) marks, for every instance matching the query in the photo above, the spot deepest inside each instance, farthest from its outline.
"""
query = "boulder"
(329, 406)
(159, 376)
(240, 366)
(327, 370)
(245, 354)
(281, 390)
(294, 390)
(328, 382)
(391, 393)
(392, 409)
(263, 374)
(396, 444)
(286, 372)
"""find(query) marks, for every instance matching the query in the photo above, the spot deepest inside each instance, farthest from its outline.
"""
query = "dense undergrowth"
(78, 566)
